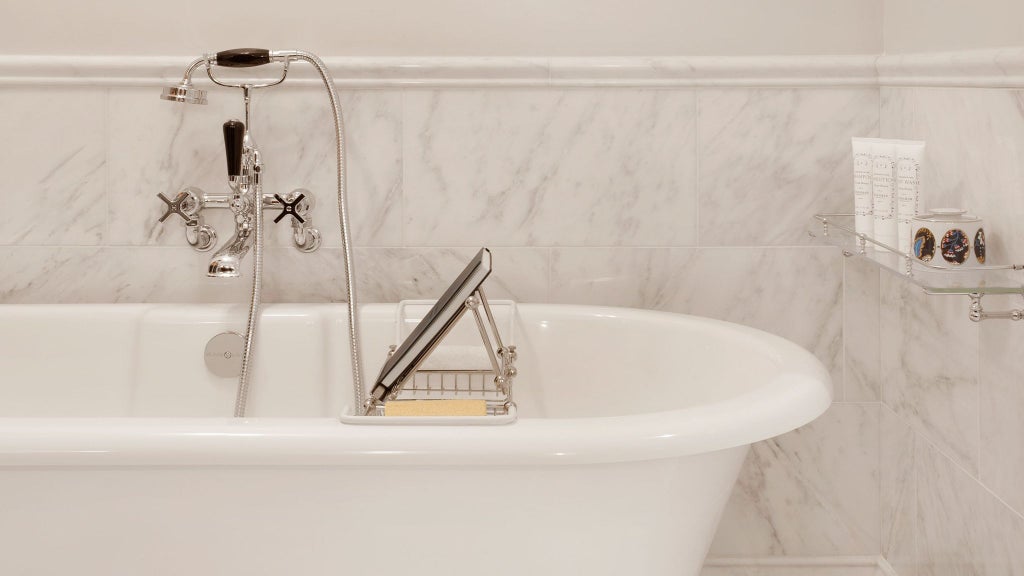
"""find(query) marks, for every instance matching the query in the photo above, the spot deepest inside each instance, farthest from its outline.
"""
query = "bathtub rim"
(784, 403)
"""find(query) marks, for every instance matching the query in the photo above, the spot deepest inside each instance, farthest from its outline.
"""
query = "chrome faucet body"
(245, 168)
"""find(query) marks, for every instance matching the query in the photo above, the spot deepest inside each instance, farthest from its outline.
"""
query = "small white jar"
(948, 238)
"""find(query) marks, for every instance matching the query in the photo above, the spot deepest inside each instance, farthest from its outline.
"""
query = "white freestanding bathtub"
(117, 455)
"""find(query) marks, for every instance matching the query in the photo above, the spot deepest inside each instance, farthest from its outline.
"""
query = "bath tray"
(443, 356)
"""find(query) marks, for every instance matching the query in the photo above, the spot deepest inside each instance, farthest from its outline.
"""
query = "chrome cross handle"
(298, 204)
(185, 204)
(289, 208)
(189, 203)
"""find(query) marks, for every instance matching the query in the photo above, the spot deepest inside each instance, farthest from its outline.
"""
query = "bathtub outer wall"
(651, 518)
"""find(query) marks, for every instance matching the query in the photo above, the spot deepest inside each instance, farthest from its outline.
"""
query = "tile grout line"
(959, 467)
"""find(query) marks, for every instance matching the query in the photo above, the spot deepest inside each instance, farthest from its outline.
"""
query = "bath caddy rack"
(437, 377)
(974, 282)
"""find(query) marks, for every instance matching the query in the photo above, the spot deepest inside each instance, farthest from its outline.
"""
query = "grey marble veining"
(811, 492)
(1002, 407)
(929, 363)
(631, 277)
(161, 147)
(793, 292)
(54, 166)
(898, 493)
(295, 132)
(393, 274)
(550, 168)
(771, 158)
(962, 529)
(71, 274)
(860, 331)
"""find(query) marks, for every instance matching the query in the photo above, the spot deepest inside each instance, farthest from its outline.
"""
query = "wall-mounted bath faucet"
(247, 200)
(245, 169)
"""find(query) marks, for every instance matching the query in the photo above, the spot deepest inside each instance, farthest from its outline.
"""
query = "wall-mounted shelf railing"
(974, 282)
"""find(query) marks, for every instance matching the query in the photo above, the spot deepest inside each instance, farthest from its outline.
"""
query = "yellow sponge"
(436, 408)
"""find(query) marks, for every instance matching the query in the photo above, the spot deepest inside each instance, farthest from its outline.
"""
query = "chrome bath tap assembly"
(247, 201)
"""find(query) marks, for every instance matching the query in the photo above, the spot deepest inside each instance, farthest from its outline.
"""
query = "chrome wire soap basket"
(446, 371)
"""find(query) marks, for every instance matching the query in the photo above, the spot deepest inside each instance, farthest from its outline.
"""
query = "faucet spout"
(227, 261)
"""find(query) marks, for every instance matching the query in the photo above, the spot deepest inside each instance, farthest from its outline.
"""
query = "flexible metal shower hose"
(343, 222)
(242, 397)
(346, 244)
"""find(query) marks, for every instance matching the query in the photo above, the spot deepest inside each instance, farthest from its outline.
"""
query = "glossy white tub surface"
(117, 455)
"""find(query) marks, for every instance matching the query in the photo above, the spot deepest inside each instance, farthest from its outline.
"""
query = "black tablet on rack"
(433, 326)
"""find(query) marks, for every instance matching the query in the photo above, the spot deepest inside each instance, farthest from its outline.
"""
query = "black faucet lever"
(234, 133)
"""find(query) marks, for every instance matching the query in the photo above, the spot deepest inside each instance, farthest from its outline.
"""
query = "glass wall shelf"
(977, 281)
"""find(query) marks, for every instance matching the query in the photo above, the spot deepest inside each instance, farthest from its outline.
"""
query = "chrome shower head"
(184, 92)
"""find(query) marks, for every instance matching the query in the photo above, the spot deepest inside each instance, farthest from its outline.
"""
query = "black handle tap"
(234, 134)
(243, 57)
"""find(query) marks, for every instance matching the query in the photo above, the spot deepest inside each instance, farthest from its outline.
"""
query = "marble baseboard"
(797, 566)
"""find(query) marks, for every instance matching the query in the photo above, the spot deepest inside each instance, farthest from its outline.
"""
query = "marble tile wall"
(952, 438)
(680, 199)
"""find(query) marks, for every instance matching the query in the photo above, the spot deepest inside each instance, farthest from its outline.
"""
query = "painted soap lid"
(947, 215)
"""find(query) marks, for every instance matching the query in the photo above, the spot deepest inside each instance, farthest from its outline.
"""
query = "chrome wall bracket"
(978, 312)
(190, 202)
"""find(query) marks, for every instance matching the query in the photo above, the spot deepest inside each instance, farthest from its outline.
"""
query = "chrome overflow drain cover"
(224, 354)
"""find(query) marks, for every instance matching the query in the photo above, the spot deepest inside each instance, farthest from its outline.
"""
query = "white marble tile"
(171, 274)
(71, 274)
(975, 140)
(295, 132)
(962, 528)
(794, 292)
(771, 158)
(393, 274)
(55, 174)
(811, 492)
(1002, 405)
(929, 365)
(898, 493)
(160, 147)
(631, 277)
(860, 331)
(550, 168)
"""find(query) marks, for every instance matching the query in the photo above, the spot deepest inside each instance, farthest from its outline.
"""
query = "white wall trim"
(1002, 68)
(470, 72)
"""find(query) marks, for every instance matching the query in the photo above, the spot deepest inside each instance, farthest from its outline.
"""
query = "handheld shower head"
(185, 93)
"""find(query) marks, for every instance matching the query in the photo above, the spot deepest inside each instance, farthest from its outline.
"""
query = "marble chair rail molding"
(1003, 68)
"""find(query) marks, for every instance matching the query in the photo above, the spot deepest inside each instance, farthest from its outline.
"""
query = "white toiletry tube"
(883, 191)
(909, 157)
(863, 220)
